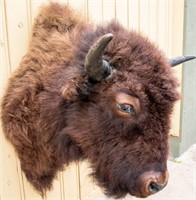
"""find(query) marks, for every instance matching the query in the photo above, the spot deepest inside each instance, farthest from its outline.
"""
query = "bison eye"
(127, 108)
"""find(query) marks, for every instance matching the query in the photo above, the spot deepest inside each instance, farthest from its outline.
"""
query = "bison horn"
(178, 60)
(97, 68)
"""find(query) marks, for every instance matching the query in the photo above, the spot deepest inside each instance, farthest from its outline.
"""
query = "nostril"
(155, 187)
(151, 182)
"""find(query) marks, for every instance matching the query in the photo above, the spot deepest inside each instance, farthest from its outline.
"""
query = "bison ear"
(181, 59)
(76, 87)
(97, 68)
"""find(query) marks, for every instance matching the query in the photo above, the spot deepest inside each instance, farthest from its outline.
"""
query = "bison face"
(122, 125)
(125, 140)
(133, 148)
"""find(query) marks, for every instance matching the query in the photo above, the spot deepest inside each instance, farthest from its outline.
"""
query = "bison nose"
(155, 187)
(151, 182)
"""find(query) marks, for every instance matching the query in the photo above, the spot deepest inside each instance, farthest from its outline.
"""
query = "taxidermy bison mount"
(99, 93)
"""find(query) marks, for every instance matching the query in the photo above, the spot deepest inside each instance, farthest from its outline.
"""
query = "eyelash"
(127, 108)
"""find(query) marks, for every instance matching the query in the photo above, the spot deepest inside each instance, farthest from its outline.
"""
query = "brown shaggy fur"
(53, 114)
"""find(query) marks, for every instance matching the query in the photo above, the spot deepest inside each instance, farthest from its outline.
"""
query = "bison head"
(122, 120)
(121, 124)
(102, 94)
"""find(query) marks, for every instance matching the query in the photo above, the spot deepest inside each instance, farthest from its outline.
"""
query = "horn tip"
(181, 59)
(109, 35)
(190, 57)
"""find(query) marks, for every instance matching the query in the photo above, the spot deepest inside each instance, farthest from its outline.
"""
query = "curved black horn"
(95, 66)
(178, 60)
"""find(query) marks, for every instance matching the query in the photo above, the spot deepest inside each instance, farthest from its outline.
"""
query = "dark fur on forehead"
(135, 58)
